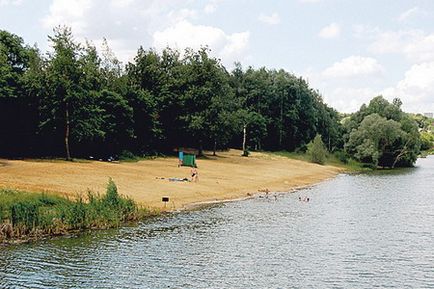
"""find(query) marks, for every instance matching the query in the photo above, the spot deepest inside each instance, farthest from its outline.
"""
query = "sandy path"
(227, 176)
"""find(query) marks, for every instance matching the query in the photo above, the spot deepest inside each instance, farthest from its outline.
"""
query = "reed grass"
(29, 215)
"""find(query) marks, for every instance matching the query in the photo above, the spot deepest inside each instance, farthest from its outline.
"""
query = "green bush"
(427, 140)
(317, 151)
(111, 197)
(342, 156)
(126, 155)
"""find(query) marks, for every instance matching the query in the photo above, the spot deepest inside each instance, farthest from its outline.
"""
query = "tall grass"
(24, 214)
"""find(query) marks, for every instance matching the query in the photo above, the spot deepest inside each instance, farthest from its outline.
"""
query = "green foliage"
(78, 101)
(342, 156)
(30, 212)
(24, 214)
(316, 150)
(87, 104)
(14, 60)
(126, 155)
(380, 134)
(427, 140)
(111, 198)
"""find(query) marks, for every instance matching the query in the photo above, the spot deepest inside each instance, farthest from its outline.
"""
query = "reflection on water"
(362, 231)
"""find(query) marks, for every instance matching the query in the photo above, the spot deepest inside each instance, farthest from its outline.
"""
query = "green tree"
(373, 139)
(68, 109)
(380, 134)
(117, 124)
(207, 99)
(14, 60)
(427, 140)
(316, 150)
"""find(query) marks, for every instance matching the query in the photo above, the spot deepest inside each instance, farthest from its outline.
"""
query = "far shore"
(227, 176)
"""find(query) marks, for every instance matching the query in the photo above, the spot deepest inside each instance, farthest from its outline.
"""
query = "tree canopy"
(78, 101)
(382, 134)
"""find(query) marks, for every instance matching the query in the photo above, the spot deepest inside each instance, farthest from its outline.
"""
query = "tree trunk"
(215, 147)
(244, 139)
(401, 154)
(200, 148)
(281, 123)
(68, 153)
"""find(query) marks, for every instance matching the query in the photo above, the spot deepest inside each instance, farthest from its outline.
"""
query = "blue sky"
(350, 51)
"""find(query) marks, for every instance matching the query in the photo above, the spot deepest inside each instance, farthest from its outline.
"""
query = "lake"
(357, 231)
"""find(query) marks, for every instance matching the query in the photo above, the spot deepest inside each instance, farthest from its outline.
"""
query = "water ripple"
(364, 231)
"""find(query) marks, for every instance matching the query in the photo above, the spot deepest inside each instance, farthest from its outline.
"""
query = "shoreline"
(203, 204)
(228, 177)
(187, 208)
(222, 177)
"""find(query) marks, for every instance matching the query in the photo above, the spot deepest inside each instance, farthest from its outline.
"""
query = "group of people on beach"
(304, 199)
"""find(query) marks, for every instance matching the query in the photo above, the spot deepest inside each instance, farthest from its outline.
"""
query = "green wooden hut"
(187, 157)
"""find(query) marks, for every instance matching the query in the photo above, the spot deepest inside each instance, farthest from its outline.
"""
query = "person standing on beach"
(194, 175)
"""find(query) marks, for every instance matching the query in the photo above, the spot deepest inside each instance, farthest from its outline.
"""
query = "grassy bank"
(26, 215)
(337, 159)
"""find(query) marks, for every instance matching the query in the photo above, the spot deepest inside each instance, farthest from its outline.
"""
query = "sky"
(348, 50)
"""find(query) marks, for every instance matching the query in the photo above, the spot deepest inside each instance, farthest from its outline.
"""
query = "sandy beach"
(223, 177)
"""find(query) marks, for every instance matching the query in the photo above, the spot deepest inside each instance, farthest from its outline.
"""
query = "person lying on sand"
(178, 180)
(173, 179)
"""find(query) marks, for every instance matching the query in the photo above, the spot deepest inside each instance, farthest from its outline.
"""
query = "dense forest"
(74, 101)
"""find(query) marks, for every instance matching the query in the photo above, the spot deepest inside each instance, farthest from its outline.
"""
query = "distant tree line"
(77, 102)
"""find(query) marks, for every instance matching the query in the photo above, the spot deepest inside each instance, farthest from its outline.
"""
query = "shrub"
(342, 156)
(316, 150)
(111, 197)
(126, 155)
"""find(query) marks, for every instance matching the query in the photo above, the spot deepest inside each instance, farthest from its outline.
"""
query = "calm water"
(361, 231)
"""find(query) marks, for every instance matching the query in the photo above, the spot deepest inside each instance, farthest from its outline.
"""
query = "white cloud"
(10, 2)
(330, 31)
(349, 99)
(421, 49)
(410, 13)
(416, 45)
(179, 15)
(365, 31)
(353, 66)
(309, 1)
(272, 19)
(416, 89)
(127, 24)
(121, 3)
(65, 12)
(184, 34)
(393, 41)
(211, 6)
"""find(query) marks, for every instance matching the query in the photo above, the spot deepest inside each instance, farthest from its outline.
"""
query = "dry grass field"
(226, 176)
